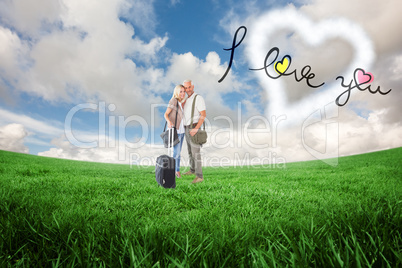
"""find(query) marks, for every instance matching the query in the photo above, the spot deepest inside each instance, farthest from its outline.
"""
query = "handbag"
(201, 136)
(167, 134)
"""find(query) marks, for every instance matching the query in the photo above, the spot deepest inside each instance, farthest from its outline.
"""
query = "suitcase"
(165, 174)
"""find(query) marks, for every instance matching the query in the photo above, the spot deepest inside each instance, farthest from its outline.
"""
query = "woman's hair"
(176, 92)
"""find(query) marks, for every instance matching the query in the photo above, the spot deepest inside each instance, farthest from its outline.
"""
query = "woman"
(177, 104)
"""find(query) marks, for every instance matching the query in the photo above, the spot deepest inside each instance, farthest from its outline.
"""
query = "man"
(198, 119)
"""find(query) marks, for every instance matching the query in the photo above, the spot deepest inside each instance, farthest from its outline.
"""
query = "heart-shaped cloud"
(261, 37)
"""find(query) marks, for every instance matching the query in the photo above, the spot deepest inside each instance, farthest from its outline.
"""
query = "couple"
(183, 127)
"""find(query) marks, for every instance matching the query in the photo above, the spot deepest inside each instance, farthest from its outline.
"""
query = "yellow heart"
(282, 66)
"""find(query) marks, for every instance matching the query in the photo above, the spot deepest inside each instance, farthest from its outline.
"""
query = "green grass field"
(66, 213)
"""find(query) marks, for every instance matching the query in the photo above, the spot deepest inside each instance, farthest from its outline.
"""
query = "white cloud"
(360, 135)
(141, 13)
(381, 19)
(12, 61)
(292, 32)
(90, 57)
(12, 138)
(31, 124)
(11, 50)
(174, 2)
(256, 140)
(30, 17)
(41, 131)
(396, 72)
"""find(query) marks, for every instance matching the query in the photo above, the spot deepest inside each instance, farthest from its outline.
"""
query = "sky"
(90, 80)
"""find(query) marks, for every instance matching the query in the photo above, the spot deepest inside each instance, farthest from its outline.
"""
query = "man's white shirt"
(199, 107)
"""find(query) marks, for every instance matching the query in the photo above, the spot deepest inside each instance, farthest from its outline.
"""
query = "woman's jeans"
(177, 150)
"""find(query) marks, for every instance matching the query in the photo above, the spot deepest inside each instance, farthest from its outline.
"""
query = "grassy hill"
(57, 212)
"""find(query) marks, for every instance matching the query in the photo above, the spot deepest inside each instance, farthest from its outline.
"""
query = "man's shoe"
(196, 180)
(189, 173)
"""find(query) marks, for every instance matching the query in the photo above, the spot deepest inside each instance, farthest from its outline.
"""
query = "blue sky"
(126, 56)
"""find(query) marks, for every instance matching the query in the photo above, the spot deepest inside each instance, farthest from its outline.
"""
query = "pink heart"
(364, 78)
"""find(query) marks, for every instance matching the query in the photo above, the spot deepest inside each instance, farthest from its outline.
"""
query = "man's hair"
(187, 81)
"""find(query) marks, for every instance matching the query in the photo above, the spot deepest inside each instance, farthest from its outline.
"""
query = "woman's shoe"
(178, 175)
